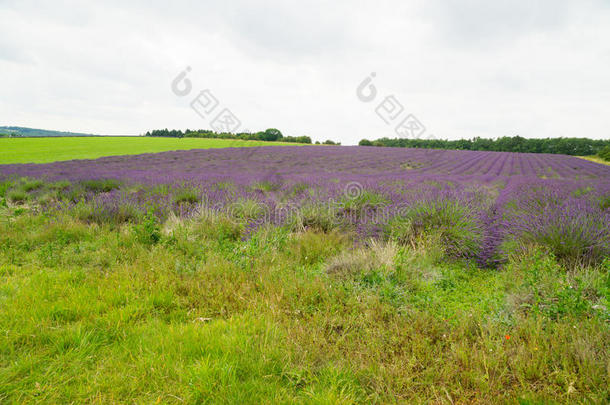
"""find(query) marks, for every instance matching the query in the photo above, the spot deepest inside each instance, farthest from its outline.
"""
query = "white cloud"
(467, 68)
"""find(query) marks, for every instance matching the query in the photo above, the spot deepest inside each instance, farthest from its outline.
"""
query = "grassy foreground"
(44, 150)
(189, 312)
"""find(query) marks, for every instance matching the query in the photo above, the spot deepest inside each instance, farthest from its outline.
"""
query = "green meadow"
(44, 150)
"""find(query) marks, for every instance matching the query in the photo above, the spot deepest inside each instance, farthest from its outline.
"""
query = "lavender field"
(477, 201)
(306, 274)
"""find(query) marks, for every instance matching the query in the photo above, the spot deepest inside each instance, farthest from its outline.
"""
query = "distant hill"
(22, 132)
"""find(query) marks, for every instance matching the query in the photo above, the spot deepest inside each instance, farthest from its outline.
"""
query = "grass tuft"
(458, 230)
(101, 185)
(186, 196)
(17, 196)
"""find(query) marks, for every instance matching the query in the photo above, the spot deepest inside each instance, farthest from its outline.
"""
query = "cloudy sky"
(465, 68)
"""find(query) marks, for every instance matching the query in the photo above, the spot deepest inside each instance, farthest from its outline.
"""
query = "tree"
(605, 153)
(271, 134)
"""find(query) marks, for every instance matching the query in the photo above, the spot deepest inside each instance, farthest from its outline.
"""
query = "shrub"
(574, 231)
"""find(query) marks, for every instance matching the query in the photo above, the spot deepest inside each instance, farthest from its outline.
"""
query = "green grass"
(595, 159)
(189, 312)
(43, 150)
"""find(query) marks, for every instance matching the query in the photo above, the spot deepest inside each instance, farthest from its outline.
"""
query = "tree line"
(566, 146)
(269, 135)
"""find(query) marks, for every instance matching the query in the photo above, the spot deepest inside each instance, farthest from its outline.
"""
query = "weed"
(148, 231)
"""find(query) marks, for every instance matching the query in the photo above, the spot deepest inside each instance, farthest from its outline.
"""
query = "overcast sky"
(462, 68)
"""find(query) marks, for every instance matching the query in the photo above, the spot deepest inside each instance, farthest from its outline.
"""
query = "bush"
(573, 230)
